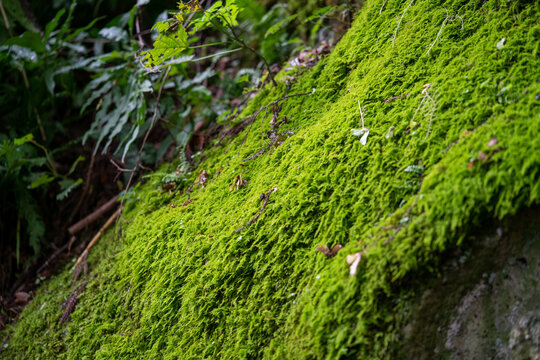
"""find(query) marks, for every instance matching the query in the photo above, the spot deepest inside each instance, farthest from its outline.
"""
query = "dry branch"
(98, 235)
(105, 208)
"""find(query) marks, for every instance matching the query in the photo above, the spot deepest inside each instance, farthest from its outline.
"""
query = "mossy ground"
(182, 284)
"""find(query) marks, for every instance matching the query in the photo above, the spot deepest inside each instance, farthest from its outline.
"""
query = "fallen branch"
(98, 235)
(266, 198)
(105, 208)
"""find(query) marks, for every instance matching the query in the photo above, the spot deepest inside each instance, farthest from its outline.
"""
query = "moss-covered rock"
(439, 160)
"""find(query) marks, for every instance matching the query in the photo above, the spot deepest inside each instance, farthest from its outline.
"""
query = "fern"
(168, 44)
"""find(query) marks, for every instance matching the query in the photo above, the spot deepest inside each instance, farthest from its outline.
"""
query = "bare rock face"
(486, 304)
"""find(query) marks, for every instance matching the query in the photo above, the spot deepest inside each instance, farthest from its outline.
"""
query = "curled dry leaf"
(237, 183)
(353, 261)
(363, 132)
(188, 201)
(493, 142)
(22, 298)
(168, 187)
(501, 43)
(390, 133)
(482, 156)
(201, 178)
(329, 253)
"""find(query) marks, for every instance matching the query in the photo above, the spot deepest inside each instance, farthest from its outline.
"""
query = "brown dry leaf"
(201, 178)
(329, 253)
(493, 142)
(168, 187)
(22, 298)
(482, 156)
(237, 183)
(353, 261)
(188, 201)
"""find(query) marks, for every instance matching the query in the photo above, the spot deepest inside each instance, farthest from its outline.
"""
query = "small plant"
(176, 34)
(448, 19)
(428, 106)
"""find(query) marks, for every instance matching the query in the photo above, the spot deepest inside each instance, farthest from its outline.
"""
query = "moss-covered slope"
(181, 283)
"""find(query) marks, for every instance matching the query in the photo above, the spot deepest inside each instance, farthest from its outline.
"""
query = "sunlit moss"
(182, 284)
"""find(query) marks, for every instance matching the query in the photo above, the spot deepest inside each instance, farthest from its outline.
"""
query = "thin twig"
(262, 122)
(399, 22)
(98, 235)
(138, 29)
(71, 303)
(361, 114)
(51, 258)
(234, 37)
(266, 198)
(121, 169)
(382, 7)
(75, 228)
(6, 21)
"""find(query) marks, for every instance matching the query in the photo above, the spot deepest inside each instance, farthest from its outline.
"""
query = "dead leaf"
(188, 201)
(201, 178)
(237, 183)
(361, 132)
(493, 142)
(168, 187)
(329, 253)
(22, 298)
(482, 156)
(501, 43)
(353, 261)
(390, 133)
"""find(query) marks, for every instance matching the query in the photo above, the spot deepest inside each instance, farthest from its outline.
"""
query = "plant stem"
(234, 37)
(241, 42)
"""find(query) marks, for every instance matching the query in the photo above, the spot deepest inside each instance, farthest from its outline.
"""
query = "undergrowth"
(181, 283)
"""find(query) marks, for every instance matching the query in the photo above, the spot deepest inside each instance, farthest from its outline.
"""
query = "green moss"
(182, 284)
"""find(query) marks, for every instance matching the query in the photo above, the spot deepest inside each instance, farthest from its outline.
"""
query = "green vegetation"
(81, 93)
(449, 95)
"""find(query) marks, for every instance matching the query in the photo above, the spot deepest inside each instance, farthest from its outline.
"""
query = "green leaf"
(48, 76)
(67, 185)
(42, 180)
(114, 33)
(28, 40)
(275, 28)
(53, 24)
(166, 46)
(130, 141)
(75, 33)
(22, 140)
(74, 166)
